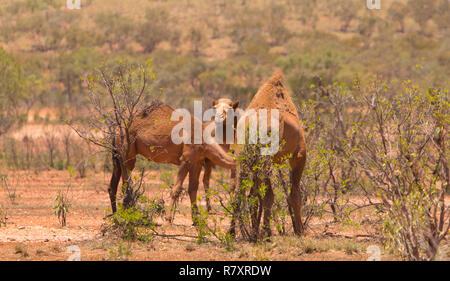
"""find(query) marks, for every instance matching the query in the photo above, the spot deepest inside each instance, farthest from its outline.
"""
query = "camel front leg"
(235, 203)
(194, 178)
(206, 179)
(177, 189)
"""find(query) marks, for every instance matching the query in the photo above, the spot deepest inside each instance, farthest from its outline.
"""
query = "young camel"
(151, 138)
(273, 95)
(222, 106)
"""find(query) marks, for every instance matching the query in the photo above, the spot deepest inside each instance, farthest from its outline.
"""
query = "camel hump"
(277, 78)
(273, 94)
(150, 108)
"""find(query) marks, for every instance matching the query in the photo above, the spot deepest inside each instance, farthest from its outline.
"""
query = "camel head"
(222, 106)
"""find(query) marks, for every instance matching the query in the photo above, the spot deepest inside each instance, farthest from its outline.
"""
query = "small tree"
(51, 142)
(67, 143)
(403, 156)
(117, 94)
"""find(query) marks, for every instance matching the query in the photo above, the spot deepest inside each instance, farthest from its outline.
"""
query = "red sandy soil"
(33, 232)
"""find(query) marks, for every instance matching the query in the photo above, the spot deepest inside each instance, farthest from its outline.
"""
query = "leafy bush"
(402, 151)
(134, 223)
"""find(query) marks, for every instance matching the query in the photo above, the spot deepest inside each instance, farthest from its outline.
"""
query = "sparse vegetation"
(370, 87)
(21, 249)
(122, 252)
(62, 203)
(12, 194)
(3, 216)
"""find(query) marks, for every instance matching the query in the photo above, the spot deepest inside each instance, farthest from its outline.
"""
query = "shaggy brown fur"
(151, 138)
(273, 95)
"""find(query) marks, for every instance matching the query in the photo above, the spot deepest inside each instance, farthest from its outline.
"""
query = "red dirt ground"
(33, 232)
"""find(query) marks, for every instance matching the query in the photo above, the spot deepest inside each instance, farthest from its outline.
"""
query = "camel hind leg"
(115, 178)
(177, 189)
(119, 173)
(295, 196)
(194, 175)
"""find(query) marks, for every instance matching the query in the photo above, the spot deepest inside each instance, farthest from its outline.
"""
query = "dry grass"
(21, 249)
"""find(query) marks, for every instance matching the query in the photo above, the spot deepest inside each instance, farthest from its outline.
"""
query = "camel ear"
(214, 103)
(235, 105)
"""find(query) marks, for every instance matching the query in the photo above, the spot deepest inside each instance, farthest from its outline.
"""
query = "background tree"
(245, 24)
(275, 25)
(13, 92)
(76, 38)
(397, 13)
(155, 30)
(308, 11)
(117, 28)
(442, 15)
(197, 38)
(422, 12)
(71, 66)
(346, 11)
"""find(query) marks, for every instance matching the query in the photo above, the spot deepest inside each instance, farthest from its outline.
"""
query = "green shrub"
(61, 207)
(122, 252)
(135, 223)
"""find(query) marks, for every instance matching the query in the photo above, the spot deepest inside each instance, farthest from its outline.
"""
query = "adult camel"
(151, 137)
(273, 95)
